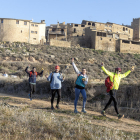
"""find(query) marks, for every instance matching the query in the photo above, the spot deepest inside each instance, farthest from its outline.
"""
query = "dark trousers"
(32, 89)
(58, 91)
(112, 94)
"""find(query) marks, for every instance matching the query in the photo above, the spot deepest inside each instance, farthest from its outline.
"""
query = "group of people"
(55, 78)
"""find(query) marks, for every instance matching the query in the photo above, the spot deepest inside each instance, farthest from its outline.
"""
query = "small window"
(32, 24)
(77, 35)
(82, 25)
(93, 24)
(74, 30)
(109, 39)
(34, 38)
(76, 25)
(101, 38)
(129, 31)
(17, 21)
(106, 25)
(53, 29)
(89, 23)
(1, 20)
(123, 28)
(110, 26)
(32, 32)
(21, 31)
(36, 25)
(126, 29)
(35, 32)
(25, 22)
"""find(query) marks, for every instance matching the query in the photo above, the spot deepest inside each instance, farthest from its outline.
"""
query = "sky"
(71, 11)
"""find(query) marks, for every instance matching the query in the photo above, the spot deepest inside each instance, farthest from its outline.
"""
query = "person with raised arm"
(32, 79)
(82, 80)
(115, 78)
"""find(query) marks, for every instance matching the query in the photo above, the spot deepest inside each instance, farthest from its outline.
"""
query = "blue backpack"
(79, 81)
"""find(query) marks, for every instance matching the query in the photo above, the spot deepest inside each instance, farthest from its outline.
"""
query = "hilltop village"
(99, 36)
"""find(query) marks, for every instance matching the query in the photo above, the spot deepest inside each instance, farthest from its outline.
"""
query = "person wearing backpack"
(32, 79)
(82, 80)
(114, 82)
(55, 79)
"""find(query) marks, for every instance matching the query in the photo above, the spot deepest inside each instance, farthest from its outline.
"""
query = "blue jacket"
(56, 80)
(32, 75)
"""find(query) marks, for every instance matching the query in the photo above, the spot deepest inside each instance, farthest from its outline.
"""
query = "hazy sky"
(71, 11)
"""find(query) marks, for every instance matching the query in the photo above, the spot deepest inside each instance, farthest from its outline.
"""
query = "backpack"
(109, 84)
(79, 81)
(32, 72)
(52, 76)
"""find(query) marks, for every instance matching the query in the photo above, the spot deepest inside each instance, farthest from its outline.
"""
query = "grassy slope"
(23, 119)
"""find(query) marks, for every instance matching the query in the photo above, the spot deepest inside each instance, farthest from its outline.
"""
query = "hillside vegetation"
(16, 56)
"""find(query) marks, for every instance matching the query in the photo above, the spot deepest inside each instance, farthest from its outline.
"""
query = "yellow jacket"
(117, 77)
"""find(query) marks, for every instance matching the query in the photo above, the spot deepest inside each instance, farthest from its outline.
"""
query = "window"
(32, 24)
(82, 25)
(123, 28)
(74, 30)
(32, 32)
(36, 25)
(106, 26)
(93, 24)
(21, 31)
(109, 39)
(77, 35)
(25, 22)
(76, 25)
(17, 21)
(35, 32)
(34, 38)
(101, 38)
(1, 20)
(129, 31)
(53, 29)
(89, 23)
(110, 26)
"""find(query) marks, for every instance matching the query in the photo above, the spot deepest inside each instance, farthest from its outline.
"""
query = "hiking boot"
(57, 106)
(83, 110)
(75, 111)
(52, 108)
(103, 113)
(30, 97)
(120, 116)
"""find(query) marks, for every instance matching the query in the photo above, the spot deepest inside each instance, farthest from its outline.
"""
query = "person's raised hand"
(102, 64)
(132, 68)
(72, 59)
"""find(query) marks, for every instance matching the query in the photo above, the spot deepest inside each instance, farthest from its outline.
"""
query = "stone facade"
(135, 24)
(56, 31)
(59, 43)
(16, 30)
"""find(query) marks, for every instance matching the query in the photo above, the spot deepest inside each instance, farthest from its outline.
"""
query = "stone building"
(17, 30)
(135, 24)
(56, 31)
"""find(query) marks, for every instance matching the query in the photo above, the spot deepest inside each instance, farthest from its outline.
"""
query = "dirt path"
(93, 117)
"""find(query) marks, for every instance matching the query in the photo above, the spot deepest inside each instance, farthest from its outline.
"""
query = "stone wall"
(59, 43)
(129, 47)
(105, 43)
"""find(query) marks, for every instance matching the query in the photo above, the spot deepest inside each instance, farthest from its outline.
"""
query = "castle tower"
(135, 24)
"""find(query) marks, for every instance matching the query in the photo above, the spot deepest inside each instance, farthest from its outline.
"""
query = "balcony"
(56, 32)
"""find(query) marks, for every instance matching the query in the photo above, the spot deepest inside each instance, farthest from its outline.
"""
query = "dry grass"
(31, 124)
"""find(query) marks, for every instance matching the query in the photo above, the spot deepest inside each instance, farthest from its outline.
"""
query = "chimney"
(42, 21)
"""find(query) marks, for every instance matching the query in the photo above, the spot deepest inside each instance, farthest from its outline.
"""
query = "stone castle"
(99, 36)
